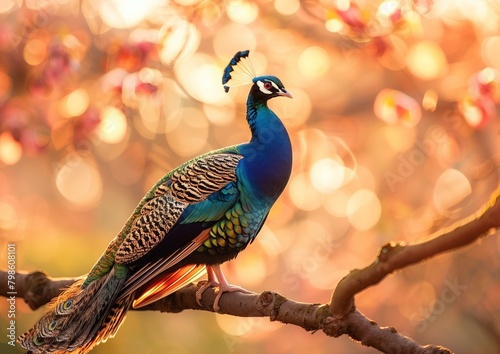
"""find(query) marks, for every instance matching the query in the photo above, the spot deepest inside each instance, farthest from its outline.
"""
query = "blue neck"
(268, 156)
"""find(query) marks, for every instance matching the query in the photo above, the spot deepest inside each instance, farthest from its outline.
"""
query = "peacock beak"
(285, 93)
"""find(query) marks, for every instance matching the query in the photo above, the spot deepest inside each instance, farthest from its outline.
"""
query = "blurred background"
(393, 127)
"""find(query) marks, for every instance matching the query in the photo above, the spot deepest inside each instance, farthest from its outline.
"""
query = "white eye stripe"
(266, 91)
(262, 88)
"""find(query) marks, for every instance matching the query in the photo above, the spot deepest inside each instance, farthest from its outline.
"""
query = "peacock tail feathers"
(77, 316)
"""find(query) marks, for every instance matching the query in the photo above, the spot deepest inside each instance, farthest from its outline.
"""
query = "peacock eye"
(267, 85)
(38, 341)
(67, 304)
(52, 325)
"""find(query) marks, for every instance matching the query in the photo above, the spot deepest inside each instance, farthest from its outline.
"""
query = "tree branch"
(394, 256)
(335, 319)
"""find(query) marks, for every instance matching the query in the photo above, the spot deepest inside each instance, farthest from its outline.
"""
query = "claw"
(216, 279)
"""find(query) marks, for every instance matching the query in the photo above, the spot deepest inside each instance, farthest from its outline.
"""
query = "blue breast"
(265, 169)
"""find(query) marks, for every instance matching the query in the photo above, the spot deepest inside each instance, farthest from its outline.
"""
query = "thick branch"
(36, 288)
(335, 319)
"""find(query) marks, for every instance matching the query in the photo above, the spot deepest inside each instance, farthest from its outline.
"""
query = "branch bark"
(339, 317)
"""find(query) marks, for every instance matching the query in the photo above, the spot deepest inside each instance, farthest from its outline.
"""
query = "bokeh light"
(9, 217)
(79, 182)
(35, 51)
(74, 104)
(287, 7)
(392, 106)
(179, 39)
(430, 100)
(394, 130)
(10, 150)
(189, 136)
(113, 125)
(303, 195)
(490, 50)
(125, 14)
(200, 77)
(363, 209)
(7, 5)
(327, 175)
(313, 62)
(451, 189)
(426, 60)
(242, 11)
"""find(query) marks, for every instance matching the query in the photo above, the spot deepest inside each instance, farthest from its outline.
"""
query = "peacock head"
(240, 72)
(266, 87)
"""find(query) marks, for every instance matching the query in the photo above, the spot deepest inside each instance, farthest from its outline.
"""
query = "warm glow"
(5, 85)
(314, 62)
(235, 326)
(287, 7)
(10, 149)
(179, 39)
(477, 111)
(394, 131)
(188, 135)
(187, 2)
(7, 5)
(327, 175)
(74, 104)
(8, 215)
(342, 5)
(334, 25)
(392, 106)
(253, 259)
(490, 51)
(426, 60)
(219, 115)
(389, 12)
(294, 113)
(336, 203)
(487, 84)
(451, 188)
(420, 295)
(242, 11)
(35, 51)
(201, 79)
(113, 125)
(429, 102)
(125, 13)
(363, 209)
(79, 182)
(229, 38)
(302, 193)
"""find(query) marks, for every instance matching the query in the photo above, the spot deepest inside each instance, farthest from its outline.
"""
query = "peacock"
(196, 217)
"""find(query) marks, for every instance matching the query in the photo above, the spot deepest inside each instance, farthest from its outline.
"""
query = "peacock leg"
(217, 279)
(211, 282)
